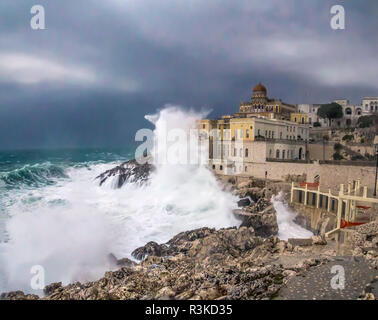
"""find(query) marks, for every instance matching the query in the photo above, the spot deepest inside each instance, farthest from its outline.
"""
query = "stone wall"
(331, 176)
(319, 152)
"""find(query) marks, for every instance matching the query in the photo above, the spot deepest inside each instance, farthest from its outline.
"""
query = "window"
(280, 135)
(245, 168)
(258, 132)
(348, 111)
(220, 167)
(283, 154)
(213, 166)
(278, 154)
(246, 152)
(247, 133)
(204, 126)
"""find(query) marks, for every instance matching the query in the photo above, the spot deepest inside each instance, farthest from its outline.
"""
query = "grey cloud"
(102, 65)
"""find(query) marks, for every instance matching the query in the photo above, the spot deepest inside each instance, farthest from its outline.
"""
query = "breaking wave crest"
(35, 175)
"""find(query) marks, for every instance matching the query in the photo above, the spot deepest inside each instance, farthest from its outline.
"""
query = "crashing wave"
(33, 175)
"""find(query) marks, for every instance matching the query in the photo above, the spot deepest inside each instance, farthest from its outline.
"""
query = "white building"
(351, 113)
(369, 105)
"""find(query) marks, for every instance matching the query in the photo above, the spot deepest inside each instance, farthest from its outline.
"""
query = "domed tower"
(259, 96)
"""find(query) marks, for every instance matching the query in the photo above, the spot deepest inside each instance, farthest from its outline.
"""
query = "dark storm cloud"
(101, 65)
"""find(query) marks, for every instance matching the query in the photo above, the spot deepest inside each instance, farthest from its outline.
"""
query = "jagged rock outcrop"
(260, 215)
(130, 171)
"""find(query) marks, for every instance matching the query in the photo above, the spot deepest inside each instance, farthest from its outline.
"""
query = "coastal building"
(351, 113)
(299, 117)
(369, 105)
(262, 105)
(253, 136)
(311, 110)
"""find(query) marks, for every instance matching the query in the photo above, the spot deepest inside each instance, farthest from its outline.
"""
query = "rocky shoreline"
(228, 264)
(249, 262)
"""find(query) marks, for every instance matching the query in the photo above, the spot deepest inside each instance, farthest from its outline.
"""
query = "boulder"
(261, 216)
(128, 172)
(319, 240)
(244, 202)
(150, 249)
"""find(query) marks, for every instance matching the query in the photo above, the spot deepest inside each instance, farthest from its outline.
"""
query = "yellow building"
(299, 118)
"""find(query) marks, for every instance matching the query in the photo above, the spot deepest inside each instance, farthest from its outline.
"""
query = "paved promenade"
(315, 284)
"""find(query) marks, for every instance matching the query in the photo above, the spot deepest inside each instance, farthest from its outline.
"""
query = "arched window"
(283, 154)
(348, 111)
(278, 154)
(246, 152)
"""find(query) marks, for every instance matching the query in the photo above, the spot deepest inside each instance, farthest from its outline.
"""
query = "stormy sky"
(100, 66)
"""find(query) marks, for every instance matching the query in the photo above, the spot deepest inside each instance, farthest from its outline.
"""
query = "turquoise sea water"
(36, 180)
(22, 168)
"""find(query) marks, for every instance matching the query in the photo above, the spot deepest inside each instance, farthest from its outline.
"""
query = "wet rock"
(150, 249)
(261, 216)
(49, 289)
(319, 240)
(18, 295)
(128, 172)
(244, 202)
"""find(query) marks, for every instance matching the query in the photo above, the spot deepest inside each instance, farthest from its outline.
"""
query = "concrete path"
(315, 284)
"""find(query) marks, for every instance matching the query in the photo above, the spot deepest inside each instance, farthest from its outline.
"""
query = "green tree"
(337, 156)
(337, 147)
(367, 121)
(330, 111)
(348, 137)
